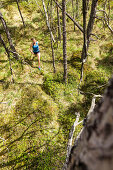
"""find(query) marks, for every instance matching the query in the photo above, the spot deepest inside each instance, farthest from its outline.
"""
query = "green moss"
(76, 60)
(93, 80)
(36, 124)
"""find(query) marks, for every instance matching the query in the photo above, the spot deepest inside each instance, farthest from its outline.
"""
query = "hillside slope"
(38, 109)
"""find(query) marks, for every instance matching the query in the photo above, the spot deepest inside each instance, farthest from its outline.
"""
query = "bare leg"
(38, 55)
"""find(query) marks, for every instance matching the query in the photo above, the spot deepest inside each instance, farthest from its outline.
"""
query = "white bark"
(47, 21)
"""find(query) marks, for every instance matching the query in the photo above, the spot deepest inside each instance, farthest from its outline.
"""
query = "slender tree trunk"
(84, 7)
(109, 10)
(94, 150)
(58, 21)
(8, 36)
(47, 21)
(91, 21)
(51, 25)
(87, 33)
(77, 8)
(84, 50)
(51, 36)
(53, 56)
(8, 54)
(73, 12)
(20, 13)
(51, 14)
(64, 39)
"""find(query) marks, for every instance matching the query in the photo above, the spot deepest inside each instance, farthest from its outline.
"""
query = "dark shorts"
(36, 52)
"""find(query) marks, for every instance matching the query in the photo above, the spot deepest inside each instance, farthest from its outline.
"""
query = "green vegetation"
(39, 108)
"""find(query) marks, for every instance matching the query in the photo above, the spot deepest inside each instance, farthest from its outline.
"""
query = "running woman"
(34, 48)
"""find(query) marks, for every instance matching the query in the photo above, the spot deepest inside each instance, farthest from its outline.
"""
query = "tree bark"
(51, 35)
(53, 56)
(64, 39)
(89, 27)
(94, 150)
(91, 21)
(87, 33)
(8, 36)
(58, 21)
(84, 50)
(77, 8)
(69, 145)
(47, 21)
(20, 13)
(51, 14)
(73, 12)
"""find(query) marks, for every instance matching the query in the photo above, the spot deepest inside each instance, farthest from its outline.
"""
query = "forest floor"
(38, 109)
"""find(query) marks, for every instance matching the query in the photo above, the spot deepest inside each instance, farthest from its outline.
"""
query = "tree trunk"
(20, 13)
(53, 56)
(87, 33)
(77, 8)
(8, 36)
(51, 14)
(73, 12)
(51, 36)
(64, 39)
(95, 147)
(8, 54)
(84, 7)
(84, 50)
(90, 26)
(91, 21)
(58, 21)
(51, 25)
(47, 21)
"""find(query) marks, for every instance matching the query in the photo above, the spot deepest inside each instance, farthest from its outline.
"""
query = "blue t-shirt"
(35, 48)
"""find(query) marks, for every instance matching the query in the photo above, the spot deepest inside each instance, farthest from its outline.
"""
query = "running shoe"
(39, 68)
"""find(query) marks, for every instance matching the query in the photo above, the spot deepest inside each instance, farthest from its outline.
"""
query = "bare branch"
(106, 19)
(69, 145)
(80, 28)
(94, 35)
(93, 104)
(88, 115)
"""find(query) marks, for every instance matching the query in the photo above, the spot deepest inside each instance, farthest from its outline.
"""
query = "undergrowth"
(39, 109)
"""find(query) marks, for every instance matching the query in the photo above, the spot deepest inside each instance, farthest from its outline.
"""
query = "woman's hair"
(32, 39)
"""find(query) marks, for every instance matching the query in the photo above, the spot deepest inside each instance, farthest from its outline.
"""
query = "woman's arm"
(31, 48)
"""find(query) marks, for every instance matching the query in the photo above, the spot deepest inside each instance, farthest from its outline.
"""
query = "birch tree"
(51, 35)
(64, 39)
(58, 23)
